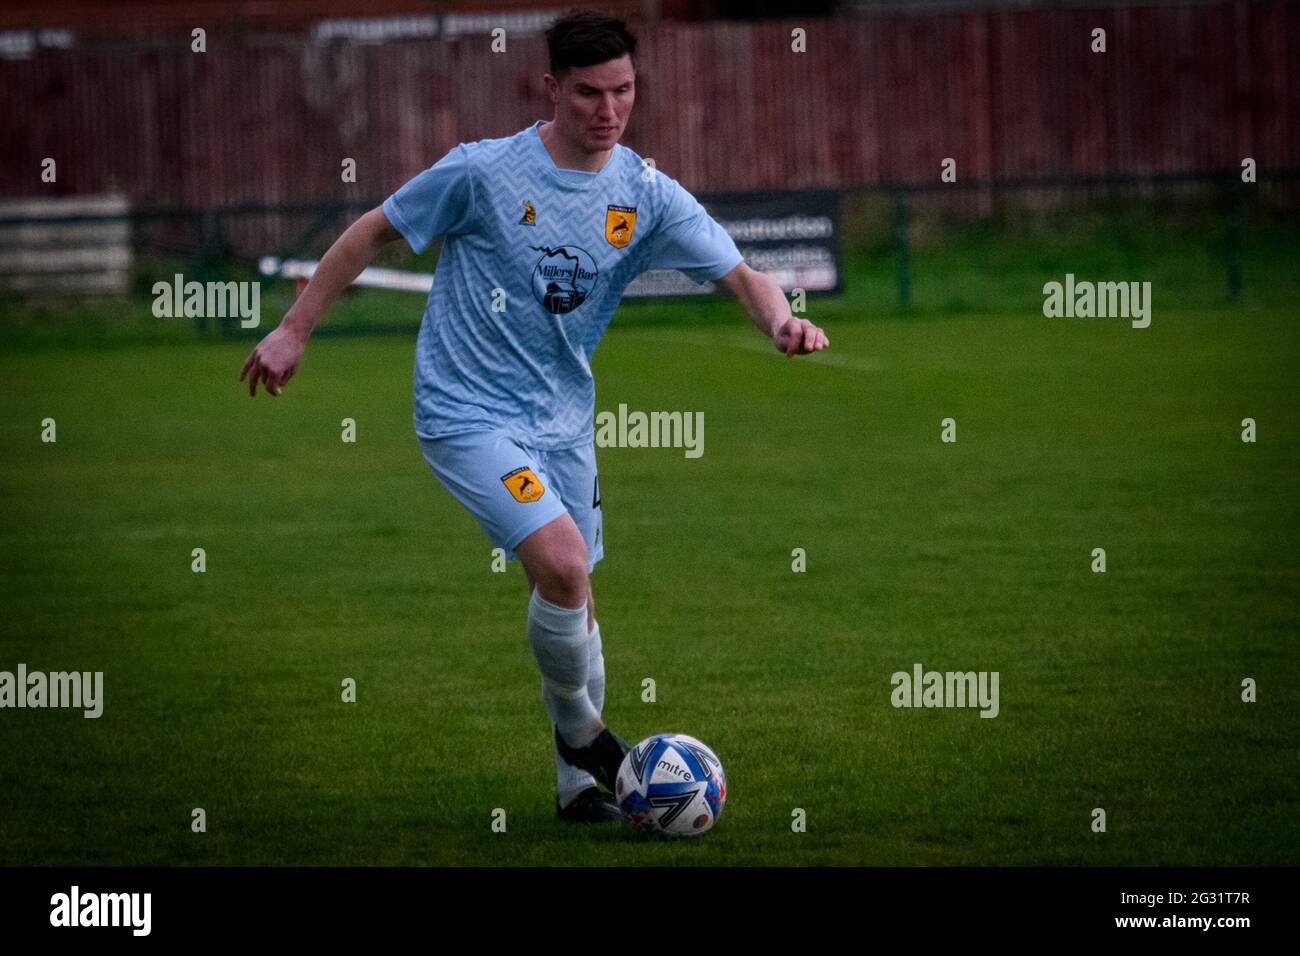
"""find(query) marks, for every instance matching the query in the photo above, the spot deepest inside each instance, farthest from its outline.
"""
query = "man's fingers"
(274, 383)
(803, 338)
(257, 371)
(814, 339)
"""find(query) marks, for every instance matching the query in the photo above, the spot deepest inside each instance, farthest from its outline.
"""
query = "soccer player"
(541, 232)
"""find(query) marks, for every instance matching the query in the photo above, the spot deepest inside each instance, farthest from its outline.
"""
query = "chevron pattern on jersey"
(530, 277)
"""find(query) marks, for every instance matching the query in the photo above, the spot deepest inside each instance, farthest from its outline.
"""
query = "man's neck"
(565, 157)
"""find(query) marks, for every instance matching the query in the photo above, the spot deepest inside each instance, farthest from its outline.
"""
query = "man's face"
(592, 103)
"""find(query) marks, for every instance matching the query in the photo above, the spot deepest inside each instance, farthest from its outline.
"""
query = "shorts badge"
(524, 485)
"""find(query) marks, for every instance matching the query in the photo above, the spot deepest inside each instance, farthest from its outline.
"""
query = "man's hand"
(273, 360)
(799, 337)
(767, 307)
(276, 357)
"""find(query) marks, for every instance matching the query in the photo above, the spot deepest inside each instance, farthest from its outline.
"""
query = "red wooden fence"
(720, 106)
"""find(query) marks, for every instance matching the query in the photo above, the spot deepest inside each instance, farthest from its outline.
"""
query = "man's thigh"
(504, 486)
(573, 473)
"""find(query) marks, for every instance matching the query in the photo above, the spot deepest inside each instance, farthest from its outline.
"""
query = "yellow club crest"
(523, 484)
(529, 217)
(619, 223)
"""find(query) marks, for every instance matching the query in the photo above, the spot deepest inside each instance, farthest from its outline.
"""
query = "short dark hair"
(585, 38)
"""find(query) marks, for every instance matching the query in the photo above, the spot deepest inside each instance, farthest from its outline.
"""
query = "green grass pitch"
(328, 560)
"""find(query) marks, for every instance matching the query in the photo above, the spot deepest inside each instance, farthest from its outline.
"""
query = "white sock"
(596, 670)
(569, 780)
(559, 639)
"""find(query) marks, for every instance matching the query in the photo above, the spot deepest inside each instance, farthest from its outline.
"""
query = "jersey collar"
(562, 176)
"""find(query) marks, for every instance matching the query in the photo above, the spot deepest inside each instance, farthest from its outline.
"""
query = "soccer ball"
(671, 784)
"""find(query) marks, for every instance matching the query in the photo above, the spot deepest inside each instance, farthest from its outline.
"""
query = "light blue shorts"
(512, 490)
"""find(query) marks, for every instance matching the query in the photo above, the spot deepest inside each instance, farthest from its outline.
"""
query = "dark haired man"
(542, 231)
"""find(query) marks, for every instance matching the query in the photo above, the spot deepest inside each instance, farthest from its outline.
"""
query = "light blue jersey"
(534, 262)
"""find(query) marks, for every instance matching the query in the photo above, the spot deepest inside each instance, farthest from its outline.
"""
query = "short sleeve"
(437, 202)
(690, 240)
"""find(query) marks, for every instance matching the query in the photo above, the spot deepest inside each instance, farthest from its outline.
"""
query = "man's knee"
(555, 558)
(564, 581)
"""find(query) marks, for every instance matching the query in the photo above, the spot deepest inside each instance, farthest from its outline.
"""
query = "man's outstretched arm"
(276, 357)
(767, 306)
